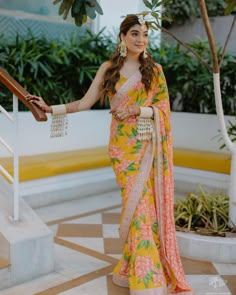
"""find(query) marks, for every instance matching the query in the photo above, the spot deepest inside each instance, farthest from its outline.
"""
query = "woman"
(140, 150)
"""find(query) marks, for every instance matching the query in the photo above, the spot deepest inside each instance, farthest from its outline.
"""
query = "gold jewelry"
(145, 55)
(123, 48)
(59, 109)
(141, 20)
(146, 112)
(144, 128)
(59, 121)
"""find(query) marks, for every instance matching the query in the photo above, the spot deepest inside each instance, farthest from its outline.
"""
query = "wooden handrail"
(21, 93)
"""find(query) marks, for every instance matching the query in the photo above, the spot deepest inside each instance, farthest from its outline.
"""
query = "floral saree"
(150, 262)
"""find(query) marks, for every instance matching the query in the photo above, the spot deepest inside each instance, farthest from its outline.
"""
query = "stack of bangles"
(144, 112)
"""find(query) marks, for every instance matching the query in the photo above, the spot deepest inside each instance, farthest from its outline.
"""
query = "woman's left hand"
(121, 113)
(39, 102)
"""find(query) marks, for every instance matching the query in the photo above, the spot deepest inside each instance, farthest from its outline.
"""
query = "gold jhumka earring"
(123, 48)
(142, 22)
(145, 54)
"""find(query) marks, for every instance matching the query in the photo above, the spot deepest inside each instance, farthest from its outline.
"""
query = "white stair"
(26, 246)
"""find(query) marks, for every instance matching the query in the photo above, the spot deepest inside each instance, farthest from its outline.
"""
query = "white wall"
(112, 16)
(91, 128)
(85, 129)
(112, 12)
(197, 131)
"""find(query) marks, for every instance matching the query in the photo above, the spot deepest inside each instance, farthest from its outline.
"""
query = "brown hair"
(112, 75)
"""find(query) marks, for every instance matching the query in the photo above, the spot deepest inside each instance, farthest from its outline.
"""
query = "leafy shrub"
(59, 72)
(182, 11)
(62, 72)
(205, 213)
(191, 84)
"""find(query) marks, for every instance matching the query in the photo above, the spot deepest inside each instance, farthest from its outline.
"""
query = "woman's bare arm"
(92, 95)
(85, 103)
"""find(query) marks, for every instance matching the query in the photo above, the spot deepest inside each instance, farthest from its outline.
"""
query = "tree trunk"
(230, 146)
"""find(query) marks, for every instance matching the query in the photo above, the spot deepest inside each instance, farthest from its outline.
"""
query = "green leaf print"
(161, 75)
(163, 89)
(154, 227)
(158, 265)
(164, 137)
(149, 277)
(126, 257)
(145, 244)
(146, 282)
(155, 98)
(152, 272)
(135, 132)
(140, 102)
(119, 131)
(114, 160)
(144, 191)
(131, 167)
(136, 223)
(137, 147)
(139, 281)
(141, 244)
(143, 218)
(165, 163)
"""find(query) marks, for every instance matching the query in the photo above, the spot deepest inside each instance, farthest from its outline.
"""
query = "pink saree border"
(136, 192)
(170, 257)
(120, 281)
(120, 98)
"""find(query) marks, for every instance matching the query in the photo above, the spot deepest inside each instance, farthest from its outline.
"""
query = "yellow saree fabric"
(150, 263)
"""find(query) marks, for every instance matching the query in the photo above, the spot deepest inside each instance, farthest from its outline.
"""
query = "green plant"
(80, 9)
(231, 129)
(183, 11)
(204, 213)
(59, 72)
(189, 81)
(62, 72)
(180, 11)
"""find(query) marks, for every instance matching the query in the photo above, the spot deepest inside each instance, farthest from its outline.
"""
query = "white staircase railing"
(14, 152)
(18, 93)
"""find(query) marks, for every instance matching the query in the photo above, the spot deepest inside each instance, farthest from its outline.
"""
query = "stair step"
(4, 263)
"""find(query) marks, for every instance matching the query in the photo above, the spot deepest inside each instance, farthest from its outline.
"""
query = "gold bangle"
(59, 109)
(146, 112)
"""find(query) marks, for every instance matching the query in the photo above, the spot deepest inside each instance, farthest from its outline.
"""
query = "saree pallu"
(150, 262)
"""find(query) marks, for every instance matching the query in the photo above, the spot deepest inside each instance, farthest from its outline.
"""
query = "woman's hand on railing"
(39, 102)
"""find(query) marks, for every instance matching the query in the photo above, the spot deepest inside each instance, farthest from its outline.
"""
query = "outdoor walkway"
(87, 248)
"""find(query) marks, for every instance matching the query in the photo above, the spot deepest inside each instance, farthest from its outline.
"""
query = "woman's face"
(136, 39)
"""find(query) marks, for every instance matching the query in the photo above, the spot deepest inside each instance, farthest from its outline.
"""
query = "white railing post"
(16, 161)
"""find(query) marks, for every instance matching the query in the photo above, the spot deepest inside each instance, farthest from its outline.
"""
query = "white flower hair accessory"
(141, 20)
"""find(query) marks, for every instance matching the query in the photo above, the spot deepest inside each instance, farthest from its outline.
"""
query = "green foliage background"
(183, 11)
(191, 82)
(62, 72)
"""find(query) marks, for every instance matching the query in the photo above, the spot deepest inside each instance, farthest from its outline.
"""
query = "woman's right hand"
(39, 102)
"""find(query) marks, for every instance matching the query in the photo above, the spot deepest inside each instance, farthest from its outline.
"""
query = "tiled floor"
(87, 248)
